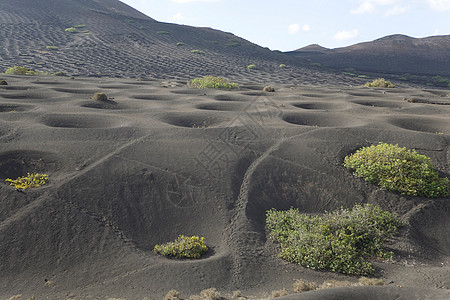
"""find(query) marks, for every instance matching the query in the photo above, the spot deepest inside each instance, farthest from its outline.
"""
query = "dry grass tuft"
(370, 281)
(304, 286)
(172, 295)
(209, 294)
(268, 89)
(279, 293)
(238, 295)
(100, 97)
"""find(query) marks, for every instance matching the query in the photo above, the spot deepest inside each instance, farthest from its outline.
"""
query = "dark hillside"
(112, 39)
(413, 59)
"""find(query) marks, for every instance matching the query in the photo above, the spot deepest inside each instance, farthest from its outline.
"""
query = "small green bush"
(30, 181)
(183, 247)
(197, 52)
(251, 66)
(380, 82)
(80, 26)
(163, 32)
(212, 82)
(180, 44)
(282, 66)
(3, 82)
(339, 241)
(71, 30)
(18, 70)
(397, 169)
(52, 48)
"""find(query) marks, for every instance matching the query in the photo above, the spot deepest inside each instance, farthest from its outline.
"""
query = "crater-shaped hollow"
(14, 164)
(18, 96)
(319, 105)
(14, 88)
(79, 121)
(109, 104)
(255, 94)
(222, 106)
(188, 92)
(378, 103)
(310, 95)
(153, 97)
(14, 107)
(231, 97)
(198, 121)
(76, 91)
(321, 119)
(422, 124)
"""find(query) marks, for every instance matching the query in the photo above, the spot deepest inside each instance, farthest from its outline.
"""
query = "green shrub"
(183, 247)
(380, 82)
(71, 30)
(338, 241)
(163, 32)
(30, 181)
(282, 66)
(142, 27)
(197, 52)
(180, 44)
(80, 26)
(3, 82)
(17, 70)
(52, 48)
(397, 169)
(211, 82)
(251, 66)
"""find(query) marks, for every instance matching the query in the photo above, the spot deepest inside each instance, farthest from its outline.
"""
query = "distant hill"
(110, 38)
(399, 55)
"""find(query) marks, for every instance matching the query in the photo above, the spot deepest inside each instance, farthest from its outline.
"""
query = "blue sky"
(290, 24)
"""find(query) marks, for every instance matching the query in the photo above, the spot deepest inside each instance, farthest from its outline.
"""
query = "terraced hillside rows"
(109, 38)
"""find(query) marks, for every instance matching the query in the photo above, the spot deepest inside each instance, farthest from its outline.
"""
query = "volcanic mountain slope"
(112, 39)
(395, 54)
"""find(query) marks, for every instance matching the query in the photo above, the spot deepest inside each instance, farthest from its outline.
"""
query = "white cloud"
(345, 35)
(397, 10)
(178, 17)
(365, 7)
(190, 1)
(293, 28)
(439, 5)
(306, 28)
(370, 6)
